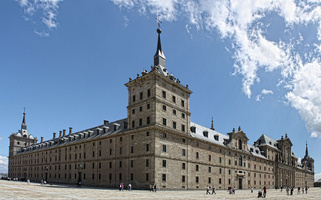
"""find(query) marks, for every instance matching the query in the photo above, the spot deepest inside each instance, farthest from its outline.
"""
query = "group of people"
(261, 193)
(121, 187)
(231, 190)
(208, 189)
(153, 188)
(289, 190)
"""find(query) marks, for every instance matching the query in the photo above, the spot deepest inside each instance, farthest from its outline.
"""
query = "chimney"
(106, 122)
(64, 132)
(54, 135)
(41, 139)
(70, 130)
(60, 133)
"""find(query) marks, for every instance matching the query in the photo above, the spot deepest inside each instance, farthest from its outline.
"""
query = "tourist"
(259, 194)
(155, 188)
(292, 190)
(28, 181)
(264, 191)
(151, 188)
(208, 189)
(120, 187)
(41, 182)
(213, 190)
(287, 190)
(251, 189)
(306, 189)
(298, 190)
(302, 190)
(129, 187)
(234, 190)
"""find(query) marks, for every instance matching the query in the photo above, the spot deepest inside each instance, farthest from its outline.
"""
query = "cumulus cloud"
(45, 10)
(3, 164)
(294, 51)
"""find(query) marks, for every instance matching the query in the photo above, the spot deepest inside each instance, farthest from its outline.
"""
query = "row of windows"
(173, 99)
(141, 95)
(174, 124)
(141, 108)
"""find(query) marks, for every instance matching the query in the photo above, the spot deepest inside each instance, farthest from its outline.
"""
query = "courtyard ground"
(21, 190)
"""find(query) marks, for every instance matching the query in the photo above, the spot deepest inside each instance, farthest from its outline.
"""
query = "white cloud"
(317, 176)
(43, 9)
(246, 25)
(263, 92)
(3, 164)
(126, 21)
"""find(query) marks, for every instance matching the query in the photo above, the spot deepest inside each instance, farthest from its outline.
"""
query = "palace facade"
(158, 144)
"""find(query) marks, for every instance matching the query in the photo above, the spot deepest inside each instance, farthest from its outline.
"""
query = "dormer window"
(193, 129)
(205, 133)
(256, 151)
(270, 143)
(216, 137)
(251, 149)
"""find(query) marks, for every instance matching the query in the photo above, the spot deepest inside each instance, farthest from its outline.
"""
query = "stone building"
(158, 144)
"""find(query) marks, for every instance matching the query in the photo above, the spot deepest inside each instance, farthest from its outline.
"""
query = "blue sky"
(255, 64)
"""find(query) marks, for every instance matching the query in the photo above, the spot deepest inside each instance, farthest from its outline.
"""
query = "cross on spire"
(158, 22)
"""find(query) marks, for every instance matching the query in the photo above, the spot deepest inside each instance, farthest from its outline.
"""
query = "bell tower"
(156, 98)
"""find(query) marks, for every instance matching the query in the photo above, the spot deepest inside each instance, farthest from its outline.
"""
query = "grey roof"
(266, 140)
(200, 133)
(91, 133)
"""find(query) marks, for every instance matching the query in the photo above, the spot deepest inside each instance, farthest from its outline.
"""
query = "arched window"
(240, 161)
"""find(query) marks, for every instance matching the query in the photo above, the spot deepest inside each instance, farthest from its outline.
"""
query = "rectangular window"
(133, 111)
(183, 152)
(209, 169)
(209, 157)
(147, 147)
(133, 124)
(164, 148)
(219, 181)
(229, 181)
(132, 137)
(183, 128)
(148, 106)
(147, 177)
(132, 149)
(120, 177)
(164, 107)
(147, 162)
(220, 159)
(147, 134)
(183, 166)
(174, 112)
(164, 135)
(164, 121)
(197, 179)
(174, 125)
(110, 177)
(183, 179)
(209, 180)
(93, 154)
(183, 103)
(164, 94)
(197, 155)
(110, 151)
(140, 108)
(164, 163)
(148, 120)
(140, 122)
(220, 171)
(110, 164)
(134, 98)
(197, 168)
(174, 99)
(183, 115)
(163, 177)
(141, 95)
(131, 177)
(131, 163)
(148, 92)
(120, 150)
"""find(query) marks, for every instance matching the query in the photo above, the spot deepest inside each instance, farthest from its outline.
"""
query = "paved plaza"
(21, 190)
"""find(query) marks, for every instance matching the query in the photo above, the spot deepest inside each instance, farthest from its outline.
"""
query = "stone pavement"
(21, 190)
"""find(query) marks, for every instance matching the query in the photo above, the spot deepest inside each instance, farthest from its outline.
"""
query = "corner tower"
(21, 139)
(156, 98)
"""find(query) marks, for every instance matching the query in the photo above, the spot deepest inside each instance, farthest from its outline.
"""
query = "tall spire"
(24, 125)
(306, 149)
(159, 57)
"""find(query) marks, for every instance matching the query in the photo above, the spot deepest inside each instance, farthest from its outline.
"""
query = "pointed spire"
(212, 125)
(159, 57)
(24, 125)
(306, 149)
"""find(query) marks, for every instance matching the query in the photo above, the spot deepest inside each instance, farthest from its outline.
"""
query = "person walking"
(292, 190)
(251, 189)
(150, 187)
(208, 189)
(264, 191)
(155, 188)
(213, 190)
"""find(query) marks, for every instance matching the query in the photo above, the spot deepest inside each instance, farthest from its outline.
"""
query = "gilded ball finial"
(159, 30)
